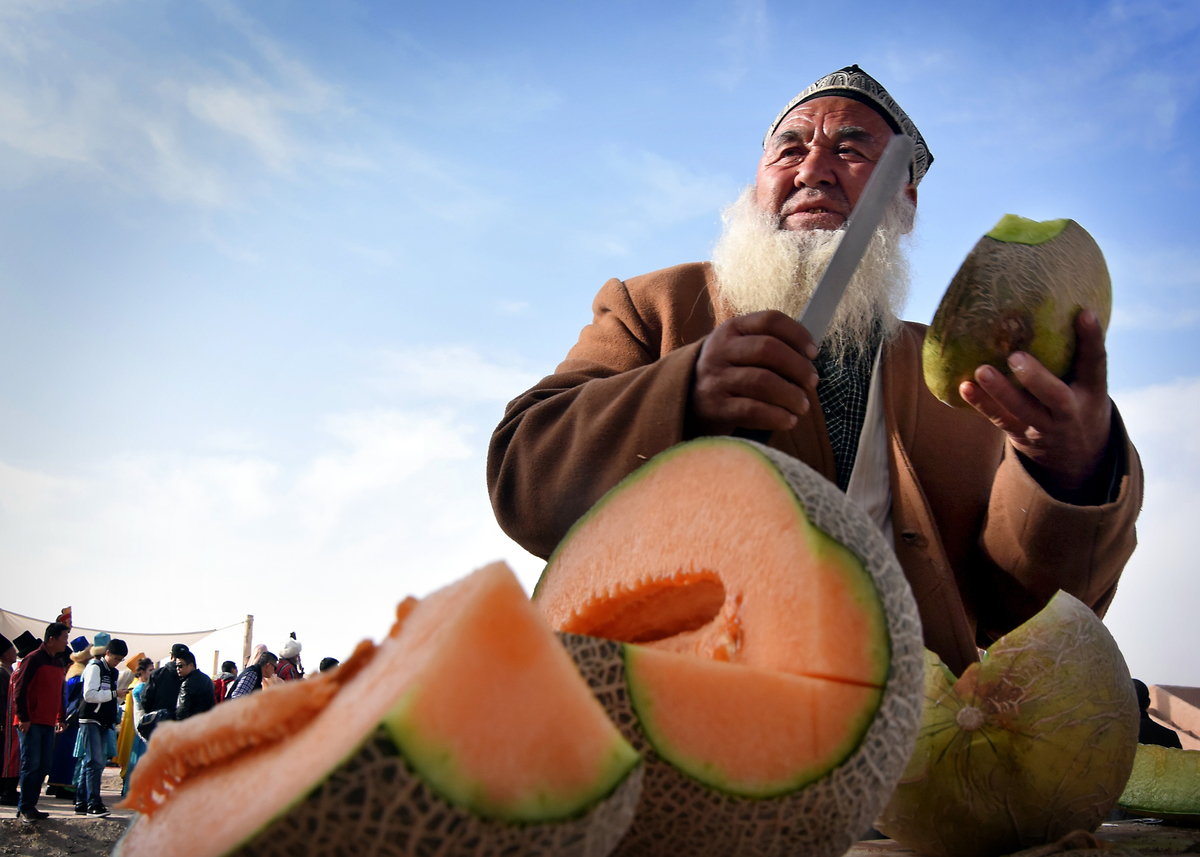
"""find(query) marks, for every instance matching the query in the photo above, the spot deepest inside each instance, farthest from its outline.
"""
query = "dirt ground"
(65, 833)
(59, 837)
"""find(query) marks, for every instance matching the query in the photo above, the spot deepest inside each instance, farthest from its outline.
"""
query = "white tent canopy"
(156, 646)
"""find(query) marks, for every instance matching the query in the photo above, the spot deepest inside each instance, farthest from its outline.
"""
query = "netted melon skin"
(375, 806)
(1033, 742)
(1015, 297)
(681, 817)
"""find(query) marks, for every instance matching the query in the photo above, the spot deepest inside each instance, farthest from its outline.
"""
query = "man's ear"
(910, 191)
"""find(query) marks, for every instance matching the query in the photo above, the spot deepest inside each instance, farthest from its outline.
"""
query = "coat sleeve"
(95, 691)
(618, 399)
(1038, 545)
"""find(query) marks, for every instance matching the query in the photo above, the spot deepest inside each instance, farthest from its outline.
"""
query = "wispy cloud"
(745, 40)
(389, 501)
(451, 374)
(1157, 287)
(188, 132)
(1151, 614)
(658, 193)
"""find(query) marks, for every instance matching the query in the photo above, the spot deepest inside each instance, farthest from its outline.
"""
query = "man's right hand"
(23, 725)
(754, 371)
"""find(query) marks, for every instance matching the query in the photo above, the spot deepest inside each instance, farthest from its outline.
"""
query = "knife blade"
(890, 170)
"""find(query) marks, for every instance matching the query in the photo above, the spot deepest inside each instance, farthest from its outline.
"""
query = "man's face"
(184, 668)
(818, 161)
(268, 670)
(112, 659)
(9, 657)
(58, 644)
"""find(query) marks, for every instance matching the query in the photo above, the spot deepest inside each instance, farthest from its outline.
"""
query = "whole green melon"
(1019, 289)
(1034, 742)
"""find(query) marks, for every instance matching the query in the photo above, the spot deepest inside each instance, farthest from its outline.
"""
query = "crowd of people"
(72, 707)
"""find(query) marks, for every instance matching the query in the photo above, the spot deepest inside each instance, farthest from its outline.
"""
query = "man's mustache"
(807, 198)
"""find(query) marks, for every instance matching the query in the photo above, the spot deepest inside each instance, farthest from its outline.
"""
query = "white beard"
(760, 266)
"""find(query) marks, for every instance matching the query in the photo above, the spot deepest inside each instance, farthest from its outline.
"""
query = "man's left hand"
(1063, 428)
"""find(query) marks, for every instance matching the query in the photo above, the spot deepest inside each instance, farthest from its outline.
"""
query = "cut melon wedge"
(745, 731)
(763, 650)
(470, 725)
(709, 550)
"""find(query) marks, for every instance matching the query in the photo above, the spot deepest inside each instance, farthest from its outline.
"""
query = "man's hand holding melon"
(1062, 428)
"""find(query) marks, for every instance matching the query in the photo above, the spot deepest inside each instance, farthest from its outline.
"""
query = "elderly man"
(990, 512)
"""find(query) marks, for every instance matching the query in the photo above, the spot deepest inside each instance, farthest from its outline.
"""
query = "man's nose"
(816, 170)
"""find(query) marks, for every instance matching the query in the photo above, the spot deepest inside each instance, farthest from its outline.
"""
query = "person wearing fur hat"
(8, 782)
(289, 668)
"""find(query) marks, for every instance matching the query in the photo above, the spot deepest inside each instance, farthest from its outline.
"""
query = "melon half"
(1031, 743)
(468, 731)
(760, 646)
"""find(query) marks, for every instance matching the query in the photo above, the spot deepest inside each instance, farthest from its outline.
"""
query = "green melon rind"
(337, 817)
(709, 774)
(1009, 296)
(999, 788)
(821, 543)
(437, 766)
(1014, 229)
(1165, 783)
(681, 816)
(375, 802)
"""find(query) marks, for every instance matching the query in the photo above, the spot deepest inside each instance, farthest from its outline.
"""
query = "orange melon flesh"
(544, 745)
(461, 644)
(745, 731)
(706, 550)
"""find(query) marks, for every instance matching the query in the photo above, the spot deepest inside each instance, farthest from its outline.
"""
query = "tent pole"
(246, 639)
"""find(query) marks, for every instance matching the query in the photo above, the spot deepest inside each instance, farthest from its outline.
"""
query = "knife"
(890, 170)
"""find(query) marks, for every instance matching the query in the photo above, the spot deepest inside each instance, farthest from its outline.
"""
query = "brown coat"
(983, 546)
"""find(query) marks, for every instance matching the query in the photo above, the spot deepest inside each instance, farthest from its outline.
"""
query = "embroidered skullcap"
(853, 82)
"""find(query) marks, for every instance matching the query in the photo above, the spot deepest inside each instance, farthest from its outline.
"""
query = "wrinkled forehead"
(831, 116)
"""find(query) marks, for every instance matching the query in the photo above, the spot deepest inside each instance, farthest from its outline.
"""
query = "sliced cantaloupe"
(742, 730)
(708, 549)
(763, 650)
(470, 725)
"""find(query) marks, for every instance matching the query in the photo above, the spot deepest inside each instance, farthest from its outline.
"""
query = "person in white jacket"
(97, 715)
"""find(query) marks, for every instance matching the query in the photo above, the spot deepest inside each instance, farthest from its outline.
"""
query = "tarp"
(156, 646)
(1178, 708)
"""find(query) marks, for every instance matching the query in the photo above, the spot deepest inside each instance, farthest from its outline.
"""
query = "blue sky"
(269, 271)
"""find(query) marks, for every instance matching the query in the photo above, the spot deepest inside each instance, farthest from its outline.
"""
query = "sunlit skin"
(756, 372)
(818, 161)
